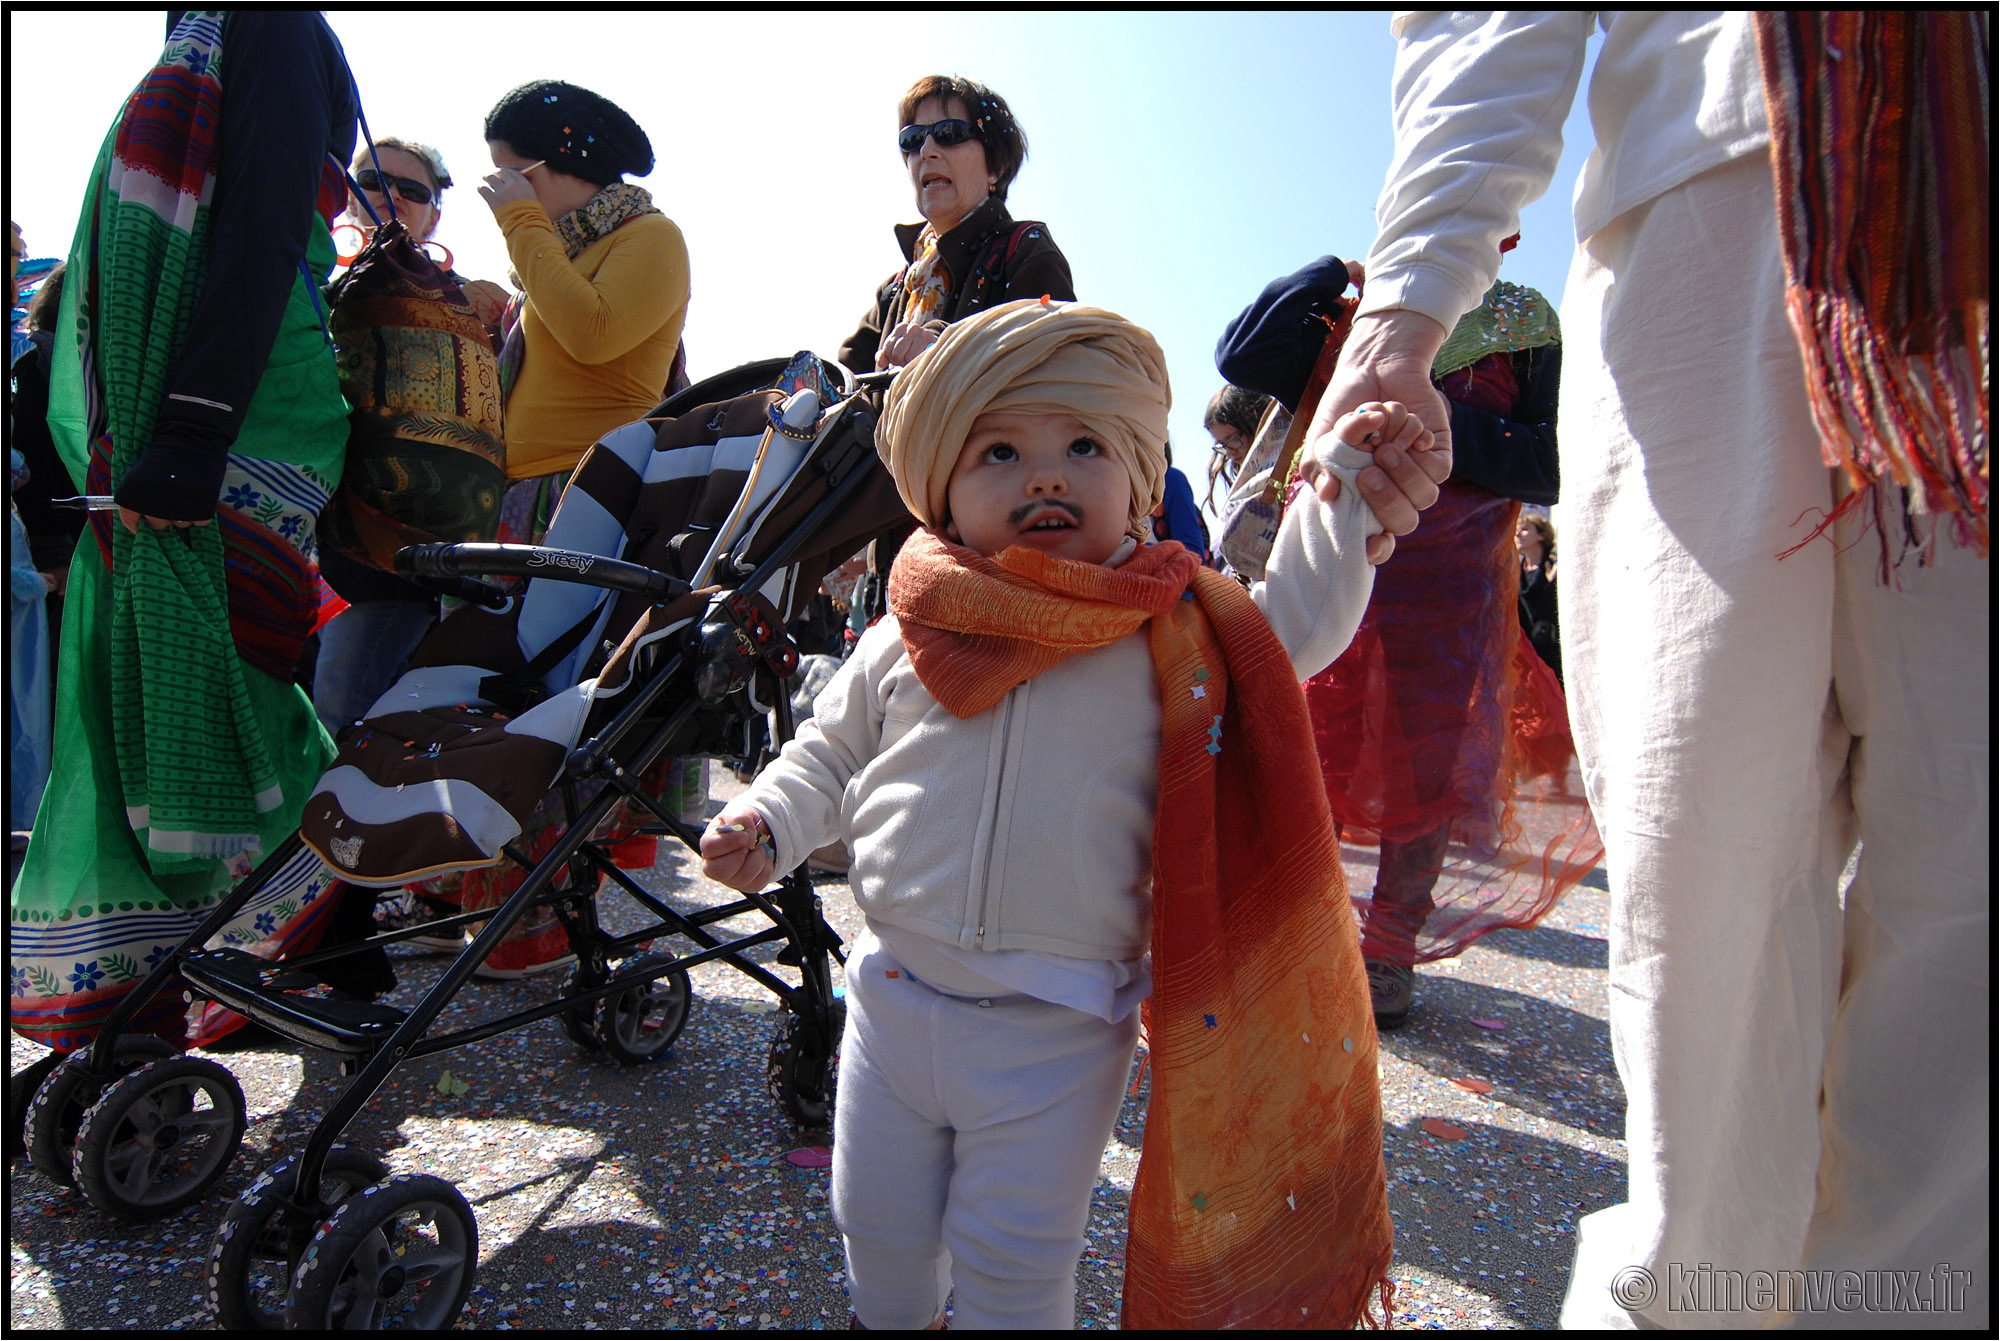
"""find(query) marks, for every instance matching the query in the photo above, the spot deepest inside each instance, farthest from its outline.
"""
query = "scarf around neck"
(1261, 1199)
(599, 216)
(926, 281)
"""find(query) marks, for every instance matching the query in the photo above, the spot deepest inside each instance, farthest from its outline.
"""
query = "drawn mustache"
(1027, 510)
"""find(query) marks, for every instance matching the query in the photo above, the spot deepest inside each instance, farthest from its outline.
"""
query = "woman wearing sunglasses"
(416, 175)
(962, 148)
(366, 647)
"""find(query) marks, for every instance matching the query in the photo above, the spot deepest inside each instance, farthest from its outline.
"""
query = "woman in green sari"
(193, 382)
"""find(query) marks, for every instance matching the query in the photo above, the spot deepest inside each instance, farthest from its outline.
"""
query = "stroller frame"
(374, 1039)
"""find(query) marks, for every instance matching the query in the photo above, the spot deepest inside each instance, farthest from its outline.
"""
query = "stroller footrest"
(257, 988)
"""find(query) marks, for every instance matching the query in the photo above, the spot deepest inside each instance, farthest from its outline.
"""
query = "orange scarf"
(1261, 1199)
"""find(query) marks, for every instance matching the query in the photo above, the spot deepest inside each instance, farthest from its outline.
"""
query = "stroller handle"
(539, 561)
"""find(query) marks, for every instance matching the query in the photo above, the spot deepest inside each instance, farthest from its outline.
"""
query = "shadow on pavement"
(1495, 1211)
(1552, 945)
(1544, 1059)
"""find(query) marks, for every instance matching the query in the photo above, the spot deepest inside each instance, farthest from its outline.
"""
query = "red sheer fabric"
(1444, 739)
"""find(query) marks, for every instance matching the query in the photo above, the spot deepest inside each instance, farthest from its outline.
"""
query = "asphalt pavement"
(676, 1196)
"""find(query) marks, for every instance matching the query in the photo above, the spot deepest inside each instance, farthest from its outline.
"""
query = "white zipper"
(993, 823)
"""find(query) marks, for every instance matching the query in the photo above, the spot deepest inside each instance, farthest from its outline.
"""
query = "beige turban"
(1028, 357)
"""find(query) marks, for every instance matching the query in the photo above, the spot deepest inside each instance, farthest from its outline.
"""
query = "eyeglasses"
(952, 130)
(412, 191)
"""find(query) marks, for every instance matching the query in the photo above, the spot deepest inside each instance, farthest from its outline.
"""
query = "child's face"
(1040, 480)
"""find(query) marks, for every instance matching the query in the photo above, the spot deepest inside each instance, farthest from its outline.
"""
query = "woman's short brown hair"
(1006, 144)
(1544, 528)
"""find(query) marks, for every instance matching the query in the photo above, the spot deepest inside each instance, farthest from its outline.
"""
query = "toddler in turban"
(1060, 750)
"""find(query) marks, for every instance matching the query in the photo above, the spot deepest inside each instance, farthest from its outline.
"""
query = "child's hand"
(1373, 427)
(736, 849)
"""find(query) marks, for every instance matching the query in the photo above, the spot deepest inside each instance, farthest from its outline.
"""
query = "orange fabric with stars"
(1261, 1199)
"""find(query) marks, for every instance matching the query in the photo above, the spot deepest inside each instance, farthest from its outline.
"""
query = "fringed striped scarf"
(1260, 1200)
(1881, 133)
(192, 760)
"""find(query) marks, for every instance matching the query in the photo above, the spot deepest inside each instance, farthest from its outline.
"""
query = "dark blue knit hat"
(1272, 345)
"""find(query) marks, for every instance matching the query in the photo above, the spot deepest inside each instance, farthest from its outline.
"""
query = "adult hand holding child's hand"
(736, 851)
(1387, 358)
(1374, 427)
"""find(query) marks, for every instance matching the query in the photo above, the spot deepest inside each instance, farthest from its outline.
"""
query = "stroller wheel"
(21, 1088)
(802, 1074)
(640, 1023)
(579, 1023)
(59, 1105)
(396, 1256)
(256, 1246)
(156, 1140)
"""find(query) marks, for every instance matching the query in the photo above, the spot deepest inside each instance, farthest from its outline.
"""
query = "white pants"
(1804, 1090)
(967, 1140)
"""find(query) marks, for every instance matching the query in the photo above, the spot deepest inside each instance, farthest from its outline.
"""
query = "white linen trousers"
(968, 1136)
(1804, 1089)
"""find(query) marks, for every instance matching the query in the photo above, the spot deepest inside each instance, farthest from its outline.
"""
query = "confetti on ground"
(669, 1197)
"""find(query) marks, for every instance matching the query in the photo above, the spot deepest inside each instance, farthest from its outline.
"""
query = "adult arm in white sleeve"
(1480, 99)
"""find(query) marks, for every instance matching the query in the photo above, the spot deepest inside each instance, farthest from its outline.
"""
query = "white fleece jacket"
(1030, 826)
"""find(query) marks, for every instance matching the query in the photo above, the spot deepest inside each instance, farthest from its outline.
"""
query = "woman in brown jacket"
(963, 148)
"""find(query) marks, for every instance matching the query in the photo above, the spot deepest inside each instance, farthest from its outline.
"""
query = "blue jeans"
(362, 652)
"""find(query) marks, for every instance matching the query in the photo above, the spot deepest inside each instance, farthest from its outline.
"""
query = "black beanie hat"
(574, 130)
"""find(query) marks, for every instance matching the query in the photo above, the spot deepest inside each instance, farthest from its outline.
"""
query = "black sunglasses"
(415, 192)
(952, 130)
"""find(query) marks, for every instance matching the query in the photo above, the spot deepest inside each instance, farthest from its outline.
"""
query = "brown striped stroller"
(650, 624)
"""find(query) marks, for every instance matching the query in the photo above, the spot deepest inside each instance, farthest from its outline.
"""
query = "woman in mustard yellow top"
(593, 346)
(605, 272)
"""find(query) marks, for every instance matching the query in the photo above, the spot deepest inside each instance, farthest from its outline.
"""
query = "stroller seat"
(449, 763)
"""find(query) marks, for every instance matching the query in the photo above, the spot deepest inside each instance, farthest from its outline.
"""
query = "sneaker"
(496, 969)
(414, 910)
(530, 951)
(1392, 988)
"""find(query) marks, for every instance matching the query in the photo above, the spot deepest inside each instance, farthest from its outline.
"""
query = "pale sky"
(1181, 160)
